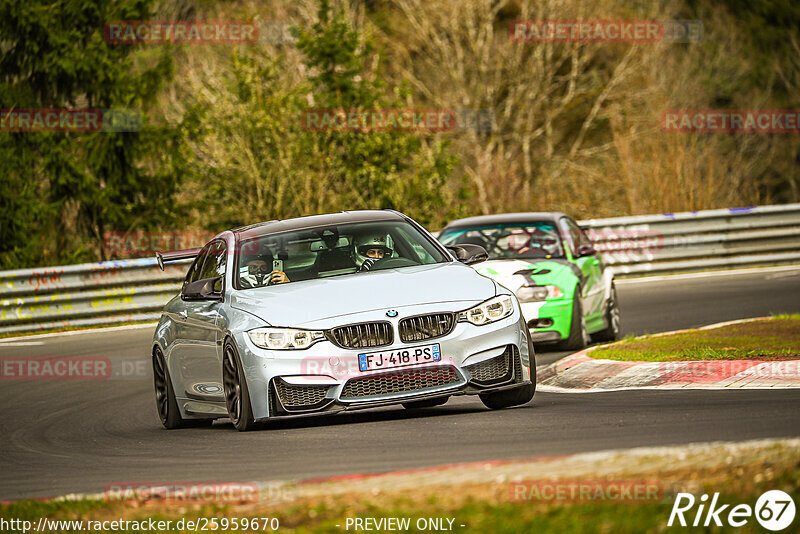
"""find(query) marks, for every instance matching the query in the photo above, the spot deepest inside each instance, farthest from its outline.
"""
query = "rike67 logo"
(774, 510)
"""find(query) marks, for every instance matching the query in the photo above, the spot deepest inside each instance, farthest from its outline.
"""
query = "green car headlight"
(490, 311)
(284, 338)
(538, 293)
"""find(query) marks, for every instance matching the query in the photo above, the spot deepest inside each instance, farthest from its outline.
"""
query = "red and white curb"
(579, 373)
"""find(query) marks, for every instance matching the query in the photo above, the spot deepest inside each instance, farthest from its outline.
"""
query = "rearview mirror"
(318, 246)
(469, 254)
(585, 250)
(205, 289)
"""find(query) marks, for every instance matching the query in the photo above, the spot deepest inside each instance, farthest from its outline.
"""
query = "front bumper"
(326, 378)
(558, 311)
(397, 386)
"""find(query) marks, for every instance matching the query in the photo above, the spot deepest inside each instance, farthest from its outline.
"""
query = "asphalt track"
(61, 437)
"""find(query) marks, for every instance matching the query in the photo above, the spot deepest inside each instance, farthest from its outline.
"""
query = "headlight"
(284, 338)
(490, 311)
(537, 293)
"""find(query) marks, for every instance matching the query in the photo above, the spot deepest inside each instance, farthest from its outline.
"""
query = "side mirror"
(203, 289)
(469, 254)
(585, 250)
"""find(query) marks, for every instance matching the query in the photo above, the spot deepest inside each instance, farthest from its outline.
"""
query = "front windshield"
(510, 241)
(332, 251)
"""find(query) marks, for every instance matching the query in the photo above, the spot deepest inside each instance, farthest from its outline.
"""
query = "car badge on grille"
(391, 313)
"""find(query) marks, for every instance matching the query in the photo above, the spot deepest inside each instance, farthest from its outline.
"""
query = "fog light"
(540, 323)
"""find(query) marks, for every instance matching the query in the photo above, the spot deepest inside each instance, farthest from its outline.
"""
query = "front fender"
(608, 283)
(164, 334)
(235, 323)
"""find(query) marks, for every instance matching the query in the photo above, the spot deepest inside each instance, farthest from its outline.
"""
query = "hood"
(543, 272)
(297, 304)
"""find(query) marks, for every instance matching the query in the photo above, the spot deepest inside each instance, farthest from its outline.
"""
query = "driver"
(534, 241)
(544, 241)
(369, 249)
(259, 273)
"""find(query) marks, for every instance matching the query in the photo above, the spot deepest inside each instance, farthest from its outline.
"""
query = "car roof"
(315, 221)
(506, 218)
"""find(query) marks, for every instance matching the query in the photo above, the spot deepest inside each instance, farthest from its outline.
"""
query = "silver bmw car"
(335, 312)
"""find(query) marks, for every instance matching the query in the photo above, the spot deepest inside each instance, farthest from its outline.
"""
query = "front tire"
(577, 328)
(531, 359)
(166, 404)
(237, 396)
(506, 399)
(517, 396)
(612, 330)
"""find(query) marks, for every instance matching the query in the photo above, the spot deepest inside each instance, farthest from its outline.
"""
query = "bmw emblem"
(391, 313)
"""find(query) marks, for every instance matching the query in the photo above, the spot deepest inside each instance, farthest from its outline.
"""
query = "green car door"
(586, 258)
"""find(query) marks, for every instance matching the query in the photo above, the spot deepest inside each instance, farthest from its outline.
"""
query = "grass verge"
(489, 505)
(773, 338)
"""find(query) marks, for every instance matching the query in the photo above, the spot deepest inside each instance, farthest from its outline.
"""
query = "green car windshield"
(510, 241)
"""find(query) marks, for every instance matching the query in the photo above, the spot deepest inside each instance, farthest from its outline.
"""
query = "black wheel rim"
(233, 389)
(614, 313)
(615, 320)
(584, 332)
(160, 382)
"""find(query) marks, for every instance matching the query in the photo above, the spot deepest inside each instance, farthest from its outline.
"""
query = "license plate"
(387, 359)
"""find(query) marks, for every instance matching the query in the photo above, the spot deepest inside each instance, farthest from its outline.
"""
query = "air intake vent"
(300, 397)
(424, 327)
(363, 335)
(517, 365)
(498, 369)
(400, 382)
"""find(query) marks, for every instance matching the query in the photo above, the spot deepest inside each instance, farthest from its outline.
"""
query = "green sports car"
(565, 291)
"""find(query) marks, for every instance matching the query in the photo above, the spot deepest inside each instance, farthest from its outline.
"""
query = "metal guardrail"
(136, 290)
(698, 240)
(86, 294)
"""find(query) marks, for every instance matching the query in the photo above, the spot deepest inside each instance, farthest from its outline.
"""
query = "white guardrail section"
(135, 290)
(698, 240)
(110, 292)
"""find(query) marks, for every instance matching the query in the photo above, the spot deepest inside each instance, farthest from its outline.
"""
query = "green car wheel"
(611, 331)
(577, 330)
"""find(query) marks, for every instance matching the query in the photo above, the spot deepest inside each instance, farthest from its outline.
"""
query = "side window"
(214, 263)
(576, 234)
(582, 238)
(569, 235)
(192, 275)
(422, 254)
(404, 246)
(585, 239)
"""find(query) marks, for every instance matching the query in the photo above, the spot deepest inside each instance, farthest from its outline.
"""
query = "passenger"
(259, 273)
